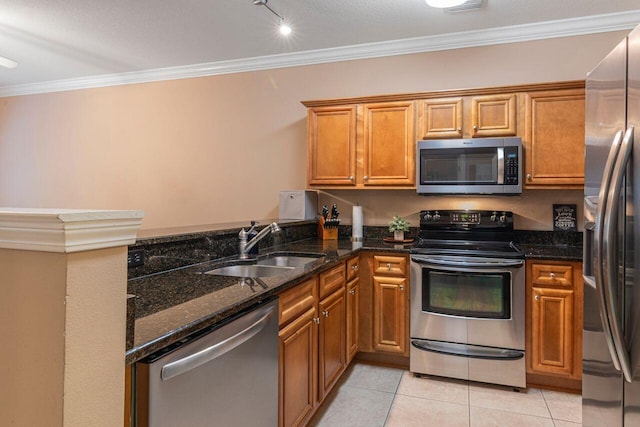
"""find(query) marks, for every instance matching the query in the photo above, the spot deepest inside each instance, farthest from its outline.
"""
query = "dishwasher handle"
(192, 361)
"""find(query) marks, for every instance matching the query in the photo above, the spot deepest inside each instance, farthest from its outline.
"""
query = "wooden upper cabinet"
(440, 118)
(493, 115)
(332, 145)
(554, 139)
(388, 144)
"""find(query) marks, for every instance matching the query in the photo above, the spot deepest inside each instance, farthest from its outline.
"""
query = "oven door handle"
(466, 262)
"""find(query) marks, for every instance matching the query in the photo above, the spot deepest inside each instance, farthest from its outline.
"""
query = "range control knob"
(436, 216)
(427, 216)
(494, 216)
(503, 217)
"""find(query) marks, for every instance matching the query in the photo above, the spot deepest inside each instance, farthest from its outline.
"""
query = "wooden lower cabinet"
(554, 323)
(384, 308)
(298, 367)
(332, 349)
(313, 351)
(353, 322)
(389, 312)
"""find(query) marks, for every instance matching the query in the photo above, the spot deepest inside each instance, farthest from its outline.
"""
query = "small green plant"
(398, 224)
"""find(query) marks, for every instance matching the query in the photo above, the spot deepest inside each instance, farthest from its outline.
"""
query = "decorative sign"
(564, 218)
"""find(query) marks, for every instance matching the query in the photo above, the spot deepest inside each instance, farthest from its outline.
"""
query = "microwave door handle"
(599, 279)
(610, 251)
(500, 165)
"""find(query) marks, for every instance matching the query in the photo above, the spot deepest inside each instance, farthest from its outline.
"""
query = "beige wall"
(219, 149)
(62, 322)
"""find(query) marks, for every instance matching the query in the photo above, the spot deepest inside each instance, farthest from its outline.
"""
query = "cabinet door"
(440, 118)
(332, 341)
(388, 144)
(493, 115)
(353, 312)
(552, 325)
(389, 314)
(298, 370)
(332, 145)
(554, 139)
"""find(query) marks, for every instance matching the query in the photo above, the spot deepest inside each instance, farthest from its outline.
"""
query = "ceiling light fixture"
(443, 4)
(284, 29)
(7, 63)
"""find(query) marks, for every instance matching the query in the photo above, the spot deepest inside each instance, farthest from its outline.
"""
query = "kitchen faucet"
(245, 246)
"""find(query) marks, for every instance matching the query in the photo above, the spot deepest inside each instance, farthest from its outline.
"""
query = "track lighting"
(284, 29)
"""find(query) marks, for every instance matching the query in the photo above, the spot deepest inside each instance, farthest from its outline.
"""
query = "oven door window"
(459, 166)
(473, 295)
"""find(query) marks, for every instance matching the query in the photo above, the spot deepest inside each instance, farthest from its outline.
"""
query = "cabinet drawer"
(552, 275)
(297, 300)
(353, 268)
(332, 280)
(393, 265)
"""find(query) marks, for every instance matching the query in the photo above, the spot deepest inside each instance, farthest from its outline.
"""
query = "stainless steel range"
(467, 298)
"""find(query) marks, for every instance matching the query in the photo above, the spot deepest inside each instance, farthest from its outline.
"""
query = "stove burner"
(468, 233)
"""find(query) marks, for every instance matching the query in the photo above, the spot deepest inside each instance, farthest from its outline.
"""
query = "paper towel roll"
(356, 223)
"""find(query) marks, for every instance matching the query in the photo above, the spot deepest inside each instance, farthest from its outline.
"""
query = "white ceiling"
(66, 44)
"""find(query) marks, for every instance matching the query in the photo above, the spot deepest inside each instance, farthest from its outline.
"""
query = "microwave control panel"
(511, 165)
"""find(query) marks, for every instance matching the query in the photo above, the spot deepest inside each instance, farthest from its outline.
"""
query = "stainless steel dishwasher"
(224, 376)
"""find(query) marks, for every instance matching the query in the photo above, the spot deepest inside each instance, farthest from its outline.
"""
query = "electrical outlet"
(135, 258)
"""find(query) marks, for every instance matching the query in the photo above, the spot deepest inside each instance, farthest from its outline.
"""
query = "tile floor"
(379, 396)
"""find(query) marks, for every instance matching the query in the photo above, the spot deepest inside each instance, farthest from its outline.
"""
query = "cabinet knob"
(459, 130)
(352, 292)
(537, 297)
(354, 267)
(401, 287)
(389, 266)
(325, 313)
(552, 275)
(351, 178)
(475, 128)
(529, 177)
(365, 177)
(316, 320)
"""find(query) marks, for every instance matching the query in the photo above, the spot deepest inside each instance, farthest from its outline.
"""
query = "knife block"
(326, 233)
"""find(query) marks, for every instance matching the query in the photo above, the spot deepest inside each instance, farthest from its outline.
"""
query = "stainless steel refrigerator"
(611, 349)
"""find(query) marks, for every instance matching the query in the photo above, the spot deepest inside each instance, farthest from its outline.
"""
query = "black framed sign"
(565, 218)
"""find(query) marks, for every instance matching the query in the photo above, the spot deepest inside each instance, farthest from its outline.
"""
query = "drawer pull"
(389, 266)
(552, 275)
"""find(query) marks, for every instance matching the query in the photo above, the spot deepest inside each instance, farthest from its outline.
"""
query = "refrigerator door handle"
(610, 251)
(598, 255)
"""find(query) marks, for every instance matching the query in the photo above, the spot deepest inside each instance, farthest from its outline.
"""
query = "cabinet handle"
(365, 177)
(389, 266)
(351, 178)
(529, 177)
(459, 130)
(537, 297)
(325, 313)
(552, 275)
(475, 128)
(354, 267)
(316, 320)
(352, 292)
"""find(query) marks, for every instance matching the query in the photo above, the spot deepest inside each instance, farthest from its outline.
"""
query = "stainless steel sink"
(288, 260)
(251, 270)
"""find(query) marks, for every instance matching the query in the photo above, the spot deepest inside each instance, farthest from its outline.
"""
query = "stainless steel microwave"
(469, 166)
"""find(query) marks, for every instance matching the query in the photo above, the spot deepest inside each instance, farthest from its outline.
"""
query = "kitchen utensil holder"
(327, 233)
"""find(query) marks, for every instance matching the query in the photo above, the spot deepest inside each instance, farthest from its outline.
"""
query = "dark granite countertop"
(171, 305)
(551, 252)
(177, 303)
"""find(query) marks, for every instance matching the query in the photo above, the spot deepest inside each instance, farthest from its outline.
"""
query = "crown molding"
(512, 34)
(67, 230)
